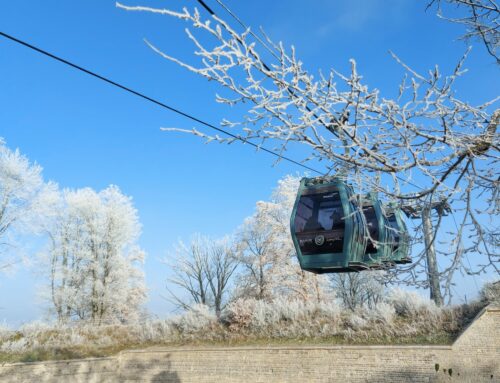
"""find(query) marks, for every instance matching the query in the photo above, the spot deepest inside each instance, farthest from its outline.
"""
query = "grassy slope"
(421, 327)
(90, 351)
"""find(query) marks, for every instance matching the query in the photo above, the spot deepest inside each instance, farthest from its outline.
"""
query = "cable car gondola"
(378, 253)
(328, 231)
(399, 232)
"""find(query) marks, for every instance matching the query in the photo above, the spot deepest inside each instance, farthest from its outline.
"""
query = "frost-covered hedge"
(402, 317)
(490, 293)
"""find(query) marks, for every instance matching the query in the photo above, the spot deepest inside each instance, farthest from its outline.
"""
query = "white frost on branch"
(25, 201)
(479, 17)
(424, 145)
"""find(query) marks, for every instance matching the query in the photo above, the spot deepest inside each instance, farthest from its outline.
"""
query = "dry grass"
(398, 321)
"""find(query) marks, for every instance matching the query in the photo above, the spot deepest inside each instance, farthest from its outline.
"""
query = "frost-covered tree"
(479, 17)
(219, 269)
(202, 270)
(24, 198)
(359, 289)
(267, 254)
(423, 147)
(95, 262)
(257, 253)
(187, 264)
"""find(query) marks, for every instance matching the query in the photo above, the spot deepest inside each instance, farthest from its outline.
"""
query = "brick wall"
(474, 357)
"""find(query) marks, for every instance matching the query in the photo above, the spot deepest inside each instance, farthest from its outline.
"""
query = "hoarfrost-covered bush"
(356, 322)
(16, 346)
(383, 312)
(34, 328)
(63, 336)
(264, 314)
(405, 317)
(288, 310)
(75, 338)
(331, 310)
(238, 314)
(281, 316)
(152, 331)
(410, 303)
(5, 332)
(195, 319)
(245, 313)
(251, 313)
(490, 293)
(293, 309)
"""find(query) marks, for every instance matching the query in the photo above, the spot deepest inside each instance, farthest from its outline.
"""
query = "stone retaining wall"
(474, 357)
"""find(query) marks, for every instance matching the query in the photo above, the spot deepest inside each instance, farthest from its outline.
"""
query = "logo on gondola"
(319, 240)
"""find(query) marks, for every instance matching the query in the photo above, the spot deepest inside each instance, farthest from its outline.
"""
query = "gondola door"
(400, 239)
(379, 248)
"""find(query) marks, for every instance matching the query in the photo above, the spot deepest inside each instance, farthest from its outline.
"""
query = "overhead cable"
(159, 103)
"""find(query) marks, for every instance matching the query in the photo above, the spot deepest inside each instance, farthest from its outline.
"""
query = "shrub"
(5, 332)
(17, 346)
(34, 328)
(154, 331)
(330, 310)
(490, 293)
(238, 314)
(290, 309)
(265, 314)
(402, 317)
(356, 322)
(195, 319)
(382, 312)
(410, 304)
(277, 314)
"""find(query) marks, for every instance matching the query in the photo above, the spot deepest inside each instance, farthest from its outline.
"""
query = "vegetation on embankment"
(403, 318)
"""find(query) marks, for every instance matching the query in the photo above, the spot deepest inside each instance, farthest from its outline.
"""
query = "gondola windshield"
(321, 211)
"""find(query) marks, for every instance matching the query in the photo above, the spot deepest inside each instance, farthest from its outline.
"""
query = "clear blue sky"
(87, 133)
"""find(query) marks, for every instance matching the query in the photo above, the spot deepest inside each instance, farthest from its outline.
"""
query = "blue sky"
(87, 133)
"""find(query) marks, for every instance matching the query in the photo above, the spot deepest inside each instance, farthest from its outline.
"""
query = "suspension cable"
(154, 101)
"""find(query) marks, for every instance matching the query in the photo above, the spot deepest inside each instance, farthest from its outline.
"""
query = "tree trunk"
(430, 251)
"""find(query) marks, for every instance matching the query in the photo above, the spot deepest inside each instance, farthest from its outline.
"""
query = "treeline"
(93, 264)
(91, 260)
(241, 288)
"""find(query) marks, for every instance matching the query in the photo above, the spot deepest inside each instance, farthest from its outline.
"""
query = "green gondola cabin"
(329, 230)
